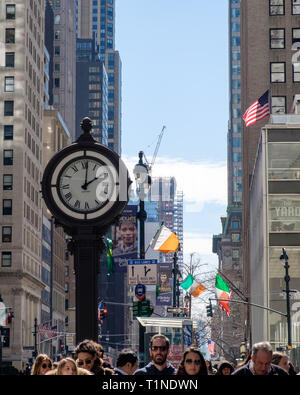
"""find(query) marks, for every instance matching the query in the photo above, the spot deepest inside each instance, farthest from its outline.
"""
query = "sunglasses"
(190, 361)
(161, 348)
(87, 362)
(44, 366)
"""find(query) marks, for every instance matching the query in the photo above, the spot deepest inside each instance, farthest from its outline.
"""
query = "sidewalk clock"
(85, 187)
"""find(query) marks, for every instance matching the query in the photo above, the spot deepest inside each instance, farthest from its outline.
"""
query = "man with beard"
(158, 350)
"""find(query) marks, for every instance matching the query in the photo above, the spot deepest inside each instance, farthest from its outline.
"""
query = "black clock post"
(85, 186)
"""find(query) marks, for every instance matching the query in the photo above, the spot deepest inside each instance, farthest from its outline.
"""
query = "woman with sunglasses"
(86, 356)
(42, 365)
(192, 363)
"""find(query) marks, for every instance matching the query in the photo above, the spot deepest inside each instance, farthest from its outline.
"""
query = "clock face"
(85, 184)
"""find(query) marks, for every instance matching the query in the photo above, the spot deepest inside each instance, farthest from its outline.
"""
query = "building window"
(296, 72)
(7, 207)
(277, 38)
(9, 59)
(276, 7)
(66, 287)
(8, 132)
(9, 85)
(8, 157)
(10, 11)
(6, 259)
(237, 172)
(235, 254)
(235, 224)
(235, 41)
(6, 234)
(235, 237)
(8, 108)
(236, 142)
(278, 104)
(57, 3)
(57, 67)
(277, 72)
(9, 36)
(295, 7)
(7, 182)
(295, 36)
(57, 19)
(57, 35)
(56, 82)
(57, 50)
(237, 156)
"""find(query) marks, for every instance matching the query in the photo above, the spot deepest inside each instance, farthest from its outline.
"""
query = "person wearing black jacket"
(260, 363)
(127, 363)
(159, 350)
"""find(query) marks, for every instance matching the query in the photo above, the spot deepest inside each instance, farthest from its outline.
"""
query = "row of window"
(277, 7)
(278, 72)
(277, 37)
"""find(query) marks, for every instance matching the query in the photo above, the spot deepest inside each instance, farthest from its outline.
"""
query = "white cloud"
(201, 244)
(201, 182)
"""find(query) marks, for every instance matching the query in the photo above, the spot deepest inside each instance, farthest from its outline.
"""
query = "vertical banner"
(187, 333)
(125, 239)
(164, 284)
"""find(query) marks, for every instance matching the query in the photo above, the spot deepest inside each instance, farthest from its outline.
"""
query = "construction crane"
(150, 165)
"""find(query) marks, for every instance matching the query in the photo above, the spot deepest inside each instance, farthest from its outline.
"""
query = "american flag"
(258, 110)
(211, 347)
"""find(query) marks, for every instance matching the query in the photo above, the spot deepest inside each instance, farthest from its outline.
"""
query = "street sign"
(175, 310)
(140, 291)
(142, 271)
(141, 309)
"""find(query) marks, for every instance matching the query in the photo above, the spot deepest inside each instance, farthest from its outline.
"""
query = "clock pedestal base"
(87, 252)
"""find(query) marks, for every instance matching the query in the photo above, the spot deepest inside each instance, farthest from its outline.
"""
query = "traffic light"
(103, 313)
(209, 310)
(9, 317)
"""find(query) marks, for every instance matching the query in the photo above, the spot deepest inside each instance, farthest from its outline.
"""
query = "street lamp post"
(287, 291)
(143, 181)
(2, 322)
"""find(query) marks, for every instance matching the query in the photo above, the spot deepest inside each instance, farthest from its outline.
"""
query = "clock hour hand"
(84, 186)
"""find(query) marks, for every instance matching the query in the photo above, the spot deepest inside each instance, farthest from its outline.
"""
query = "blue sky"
(175, 73)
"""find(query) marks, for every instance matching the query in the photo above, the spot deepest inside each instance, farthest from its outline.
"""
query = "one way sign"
(142, 271)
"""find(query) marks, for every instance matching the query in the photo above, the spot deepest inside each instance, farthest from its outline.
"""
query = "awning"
(164, 322)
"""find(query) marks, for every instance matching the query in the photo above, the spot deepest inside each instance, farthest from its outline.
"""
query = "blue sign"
(142, 261)
(140, 291)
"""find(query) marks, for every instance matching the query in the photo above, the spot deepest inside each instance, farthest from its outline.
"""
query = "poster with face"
(164, 281)
(125, 238)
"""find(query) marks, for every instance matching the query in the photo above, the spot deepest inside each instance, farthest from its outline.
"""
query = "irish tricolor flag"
(223, 292)
(192, 286)
(165, 240)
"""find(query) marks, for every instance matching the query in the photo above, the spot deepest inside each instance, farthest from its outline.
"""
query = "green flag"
(110, 267)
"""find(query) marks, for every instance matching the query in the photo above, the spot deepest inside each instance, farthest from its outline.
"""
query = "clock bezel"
(106, 213)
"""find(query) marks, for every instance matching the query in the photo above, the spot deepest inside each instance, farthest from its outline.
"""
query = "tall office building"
(64, 60)
(270, 35)
(91, 86)
(228, 244)
(97, 17)
(21, 107)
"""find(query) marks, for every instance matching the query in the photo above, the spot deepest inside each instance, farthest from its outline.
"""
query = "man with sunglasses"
(159, 365)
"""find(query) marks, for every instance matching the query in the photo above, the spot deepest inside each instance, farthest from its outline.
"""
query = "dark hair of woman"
(203, 368)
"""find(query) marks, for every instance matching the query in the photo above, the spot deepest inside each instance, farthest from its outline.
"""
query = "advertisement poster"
(164, 281)
(125, 239)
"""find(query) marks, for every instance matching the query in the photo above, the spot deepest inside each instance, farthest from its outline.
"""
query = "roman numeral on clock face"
(77, 204)
(68, 196)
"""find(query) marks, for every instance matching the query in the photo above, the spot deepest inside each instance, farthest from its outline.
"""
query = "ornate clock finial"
(86, 125)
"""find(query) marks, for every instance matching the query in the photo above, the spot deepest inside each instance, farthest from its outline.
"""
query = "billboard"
(165, 282)
(125, 239)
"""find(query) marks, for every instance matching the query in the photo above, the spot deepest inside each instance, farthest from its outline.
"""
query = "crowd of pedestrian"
(88, 360)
